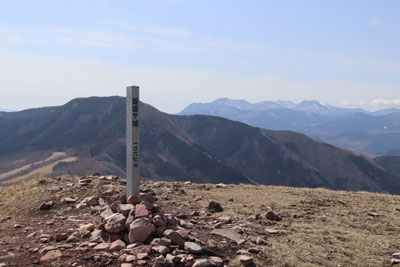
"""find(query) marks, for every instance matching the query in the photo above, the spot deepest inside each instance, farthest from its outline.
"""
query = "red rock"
(141, 211)
(117, 245)
(175, 238)
(114, 205)
(161, 230)
(51, 256)
(182, 233)
(133, 200)
(148, 205)
(140, 230)
(86, 227)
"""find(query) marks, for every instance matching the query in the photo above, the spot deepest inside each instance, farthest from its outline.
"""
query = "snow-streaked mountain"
(373, 132)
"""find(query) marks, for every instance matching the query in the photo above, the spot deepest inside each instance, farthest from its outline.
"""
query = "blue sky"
(342, 53)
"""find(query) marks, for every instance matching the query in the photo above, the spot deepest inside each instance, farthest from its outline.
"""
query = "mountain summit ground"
(49, 221)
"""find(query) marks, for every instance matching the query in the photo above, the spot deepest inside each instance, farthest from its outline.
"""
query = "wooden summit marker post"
(132, 140)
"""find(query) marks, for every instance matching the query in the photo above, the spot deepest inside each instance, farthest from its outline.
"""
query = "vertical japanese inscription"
(135, 125)
(132, 140)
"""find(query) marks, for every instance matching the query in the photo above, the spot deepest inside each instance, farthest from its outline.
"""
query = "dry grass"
(17, 202)
(27, 166)
(43, 171)
(335, 229)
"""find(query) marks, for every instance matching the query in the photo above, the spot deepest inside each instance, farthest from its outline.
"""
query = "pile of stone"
(142, 234)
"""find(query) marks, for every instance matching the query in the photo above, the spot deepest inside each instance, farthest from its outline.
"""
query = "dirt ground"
(319, 228)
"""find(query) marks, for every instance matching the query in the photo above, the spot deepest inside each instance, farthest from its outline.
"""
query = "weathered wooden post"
(132, 140)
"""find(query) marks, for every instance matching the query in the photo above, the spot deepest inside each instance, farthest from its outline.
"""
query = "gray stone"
(193, 248)
(129, 220)
(160, 249)
(171, 219)
(246, 260)
(260, 241)
(273, 216)
(254, 250)
(47, 249)
(69, 200)
(215, 206)
(142, 256)
(61, 236)
(46, 205)
(158, 221)
(202, 263)
(395, 261)
(102, 246)
(140, 249)
(221, 185)
(173, 258)
(99, 236)
(115, 223)
(216, 261)
(271, 231)
(230, 234)
(125, 209)
(225, 219)
(161, 242)
(92, 201)
(106, 212)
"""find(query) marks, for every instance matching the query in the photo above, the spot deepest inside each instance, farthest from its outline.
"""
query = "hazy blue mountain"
(6, 110)
(197, 148)
(373, 132)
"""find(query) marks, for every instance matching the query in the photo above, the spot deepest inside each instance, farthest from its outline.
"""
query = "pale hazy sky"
(182, 51)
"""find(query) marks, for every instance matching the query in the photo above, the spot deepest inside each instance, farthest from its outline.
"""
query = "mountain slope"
(197, 148)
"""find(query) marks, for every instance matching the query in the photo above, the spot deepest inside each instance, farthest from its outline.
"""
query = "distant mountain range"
(373, 132)
(197, 148)
(6, 110)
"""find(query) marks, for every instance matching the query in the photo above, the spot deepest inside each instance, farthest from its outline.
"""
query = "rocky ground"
(88, 221)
